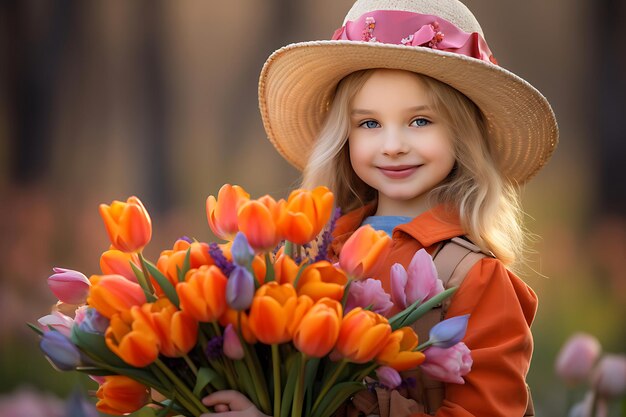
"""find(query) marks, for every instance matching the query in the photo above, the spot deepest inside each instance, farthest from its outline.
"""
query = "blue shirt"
(385, 223)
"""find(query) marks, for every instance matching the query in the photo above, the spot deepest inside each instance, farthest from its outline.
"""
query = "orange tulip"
(133, 340)
(203, 294)
(111, 294)
(222, 212)
(398, 352)
(119, 395)
(319, 329)
(257, 220)
(285, 268)
(362, 336)
(305, 214)
(172, 260)
(128, 224)
(176, 330)
(231, 316)
(322, 279)
(364, 251)
(276, 312)
(117, 262)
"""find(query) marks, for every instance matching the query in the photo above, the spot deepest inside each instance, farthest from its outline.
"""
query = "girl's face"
(399, 144)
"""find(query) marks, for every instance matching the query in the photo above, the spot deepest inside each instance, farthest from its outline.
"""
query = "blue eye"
(370, 124)
(421, 122)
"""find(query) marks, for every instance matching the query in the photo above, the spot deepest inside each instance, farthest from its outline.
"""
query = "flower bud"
(240, 289)
(447, 365)
(577, 358)
(449, 332)
(232, 344)
(58, 321)
(241, 251)
(388, 377)
(60, 351)
(69, 286)
(609, 377)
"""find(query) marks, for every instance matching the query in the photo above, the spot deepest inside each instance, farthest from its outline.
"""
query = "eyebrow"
(366, 112)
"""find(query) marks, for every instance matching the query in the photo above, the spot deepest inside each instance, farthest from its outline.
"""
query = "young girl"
(406, 116)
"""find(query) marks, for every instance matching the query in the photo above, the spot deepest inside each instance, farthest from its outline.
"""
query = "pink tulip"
(388, 377)
(58, 321)
(577, 357)
(609, 377)
(232, 344)
(69, 286)
(418, 282)
(367, 293)
(447, 365)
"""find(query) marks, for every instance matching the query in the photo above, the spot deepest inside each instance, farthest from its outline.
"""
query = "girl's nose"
(394, 143)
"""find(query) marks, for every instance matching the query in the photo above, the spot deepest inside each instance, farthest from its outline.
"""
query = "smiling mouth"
(399, 171)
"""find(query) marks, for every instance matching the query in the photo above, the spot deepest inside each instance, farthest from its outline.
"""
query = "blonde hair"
(488, 204)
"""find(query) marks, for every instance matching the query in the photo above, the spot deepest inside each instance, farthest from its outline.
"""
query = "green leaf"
(205, 377)
(94, 345)
(337, 396)
(36, 329)
(144, 412)
(245, 379)
(309, 383)
(299, 274)
(426, 307)
(142, 280)
(164, 283)
(186, 266)
(290, 385)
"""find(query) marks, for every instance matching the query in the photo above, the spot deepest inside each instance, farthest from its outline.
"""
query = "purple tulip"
(58, 321)
(447, 365)
(240, 289)
(60, 351)
(577, 358)
(388, 377)
(69, 286)
(449, 332)
(232, 344)
(368, 292)
(242, 252)
(418, 282)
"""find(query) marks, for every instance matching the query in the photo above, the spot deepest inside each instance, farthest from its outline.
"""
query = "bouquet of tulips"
(265, 313)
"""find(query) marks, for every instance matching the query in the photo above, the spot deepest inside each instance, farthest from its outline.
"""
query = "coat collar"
(433, 226)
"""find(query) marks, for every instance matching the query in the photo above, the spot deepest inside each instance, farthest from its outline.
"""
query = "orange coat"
(501, 308)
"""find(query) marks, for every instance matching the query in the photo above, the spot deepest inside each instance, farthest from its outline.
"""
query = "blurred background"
(100, 100)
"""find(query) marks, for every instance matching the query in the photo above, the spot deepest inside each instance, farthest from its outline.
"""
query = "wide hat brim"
(299, 80)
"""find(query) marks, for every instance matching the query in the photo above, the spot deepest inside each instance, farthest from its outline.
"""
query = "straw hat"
(438, 38)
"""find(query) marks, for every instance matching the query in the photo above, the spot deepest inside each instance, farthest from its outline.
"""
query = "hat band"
(414, 29)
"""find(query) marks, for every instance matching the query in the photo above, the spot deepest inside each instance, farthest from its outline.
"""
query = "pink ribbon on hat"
(415, 29)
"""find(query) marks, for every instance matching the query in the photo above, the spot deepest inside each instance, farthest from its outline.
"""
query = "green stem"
(423, 346)
(298, 395)
(361, 376)
(329, 384)
(146, 276)
(218, 331)
(178, 397)
(181, 385)
(277, 384)
(191, 365)
(253, 365)
(289, 249)
(346, 289)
